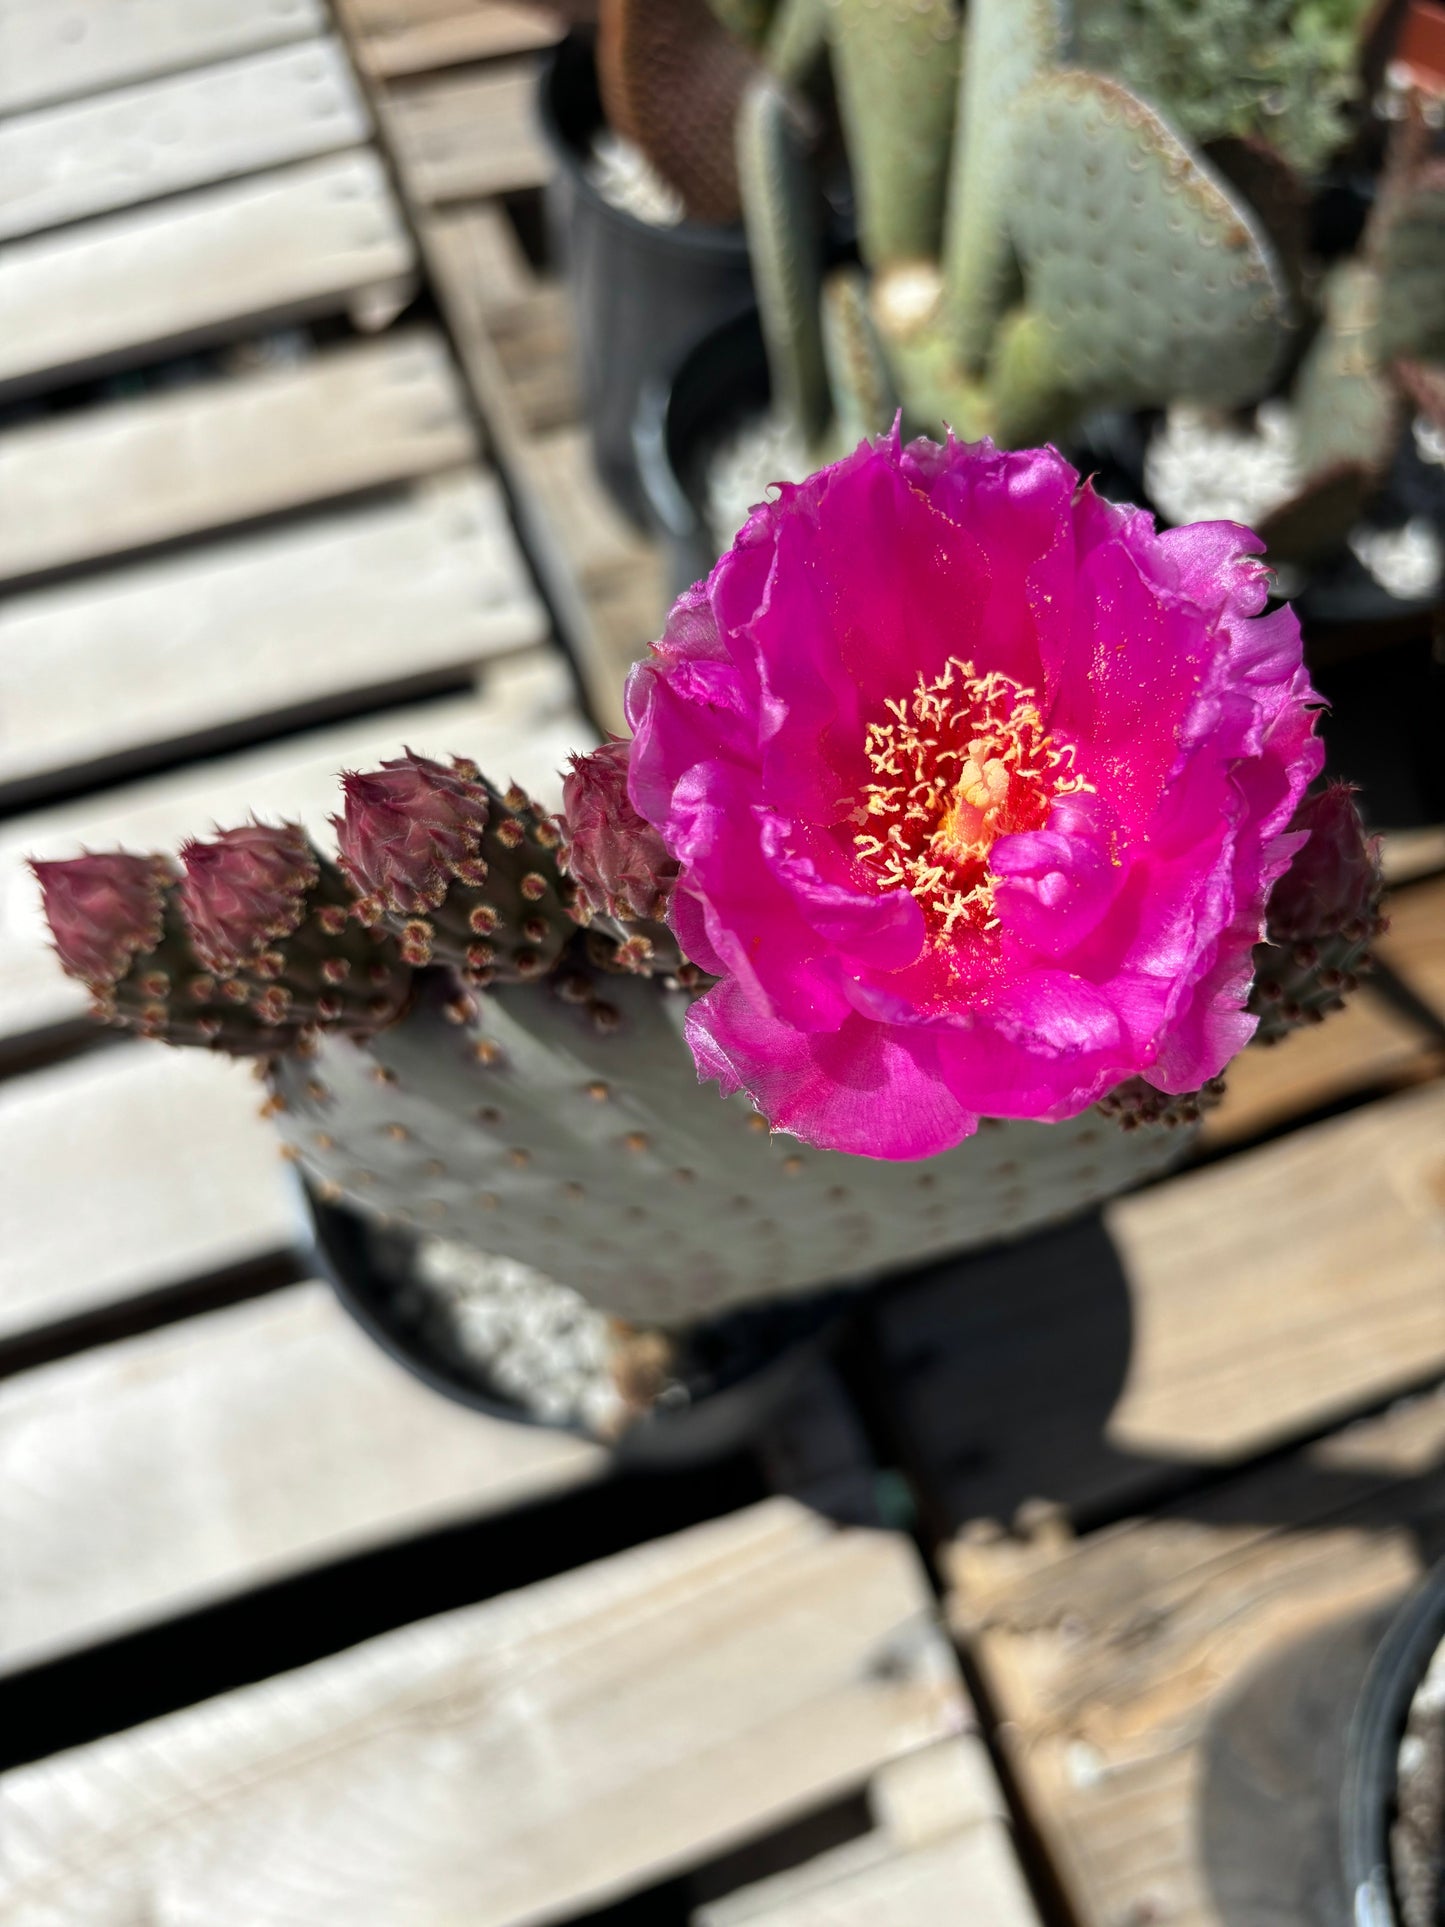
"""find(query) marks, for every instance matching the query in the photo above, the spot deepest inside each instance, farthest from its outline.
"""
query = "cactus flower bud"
(245, 890)
(409, 829)
(103, 910)
(1321, 917)
(619, 862)
(1332, 887)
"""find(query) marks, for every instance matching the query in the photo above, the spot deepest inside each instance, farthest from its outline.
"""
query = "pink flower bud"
(407, 828)
(1333, 885)
(619, 862)
(103, 910)
(244, 890)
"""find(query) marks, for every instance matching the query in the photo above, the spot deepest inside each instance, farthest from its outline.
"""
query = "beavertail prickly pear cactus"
(962, 840)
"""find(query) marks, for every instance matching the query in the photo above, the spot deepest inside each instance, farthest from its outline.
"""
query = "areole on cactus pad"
(963, 840)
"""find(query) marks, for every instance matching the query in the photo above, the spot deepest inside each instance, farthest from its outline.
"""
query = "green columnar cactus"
(1041, 245)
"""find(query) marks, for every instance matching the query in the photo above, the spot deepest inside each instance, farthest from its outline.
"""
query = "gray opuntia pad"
(575, 1137)
(1150, 281)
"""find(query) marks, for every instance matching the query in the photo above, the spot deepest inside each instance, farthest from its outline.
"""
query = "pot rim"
(1367, 1793)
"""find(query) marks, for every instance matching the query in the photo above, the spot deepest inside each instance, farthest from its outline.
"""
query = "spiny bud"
(1322, 916)
(1135, 1103)
(619, 862)
(1333, 885)
(407, 827)
(245, 890)
(104, 909)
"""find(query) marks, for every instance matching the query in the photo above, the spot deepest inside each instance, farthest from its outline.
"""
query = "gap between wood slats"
(107, 482)
(139, 143)
(386, 601)
(294, 1622)
(52, 50)
(317, 237)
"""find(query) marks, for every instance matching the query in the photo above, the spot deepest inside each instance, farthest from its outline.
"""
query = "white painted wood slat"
(97, 482)
(128, 1171)
(511, 1762)
(58, 49)
(522, 725)
(156, 1475)
(87, 157)
(309, 239)
(284, 622)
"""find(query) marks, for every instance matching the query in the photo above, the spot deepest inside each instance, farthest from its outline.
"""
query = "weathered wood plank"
(465, 137)
(1367, 1046)
(1207, 1318)
(1414, 853)
(312, 238)
(129, 1171)
(1414, 945)
(492, 1765)
(98, 482)
(58, 49)
(60, 164)
(604, 580)
(160, 1474)
(522, 725)
(1174, 1691)
(386, 597)
(392, 40)
(970, 1876)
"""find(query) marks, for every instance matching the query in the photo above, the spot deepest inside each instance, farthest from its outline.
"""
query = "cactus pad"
(1151, 281)
(563, 1124)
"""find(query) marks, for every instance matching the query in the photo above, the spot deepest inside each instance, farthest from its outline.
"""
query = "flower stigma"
(965, 761)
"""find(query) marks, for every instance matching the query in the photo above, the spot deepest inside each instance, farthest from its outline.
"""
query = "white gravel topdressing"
(764, 450)
(1200, 468)
(627, 180)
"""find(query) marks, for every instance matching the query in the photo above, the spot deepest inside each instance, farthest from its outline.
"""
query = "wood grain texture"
(1414, 944)
(59, 49)
(523, 723)
(468, 136)
(1174, 1691)
(61, 164)
(511, 1762)
(1414, 853)
(1367, 1046)
(129, 1171)
(1212, 1316)
(309, 239)
(99, 482)
(157, 1475)
(381, 598)
(396, 39)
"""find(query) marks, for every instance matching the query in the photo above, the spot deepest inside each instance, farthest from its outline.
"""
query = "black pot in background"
(1367, 1804)
(741, 1369)
(680, 424)
(642, 294)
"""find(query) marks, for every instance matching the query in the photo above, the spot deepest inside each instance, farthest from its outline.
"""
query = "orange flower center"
(966, 761)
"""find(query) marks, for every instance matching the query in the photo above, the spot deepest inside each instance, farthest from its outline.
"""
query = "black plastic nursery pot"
(1368, 1798)
(737, 1371)
(681, 423)
(642, 293)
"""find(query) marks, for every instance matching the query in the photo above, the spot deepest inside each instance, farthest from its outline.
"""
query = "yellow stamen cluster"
(965, 761)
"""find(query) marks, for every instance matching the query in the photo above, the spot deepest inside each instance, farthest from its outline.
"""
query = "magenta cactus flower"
(409, 828)
(978, 786)
(245, 889)
(104, 909)
(617, 859)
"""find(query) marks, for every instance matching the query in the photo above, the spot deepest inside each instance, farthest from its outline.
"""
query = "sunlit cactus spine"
(539, 1100)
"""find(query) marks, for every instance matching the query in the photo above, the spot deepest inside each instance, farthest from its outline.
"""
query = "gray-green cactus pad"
(1150, 282)
(595, 1155)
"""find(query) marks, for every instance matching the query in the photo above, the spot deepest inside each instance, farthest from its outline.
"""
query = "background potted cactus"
(1108, 224)
(961, 960)
(644, 206)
